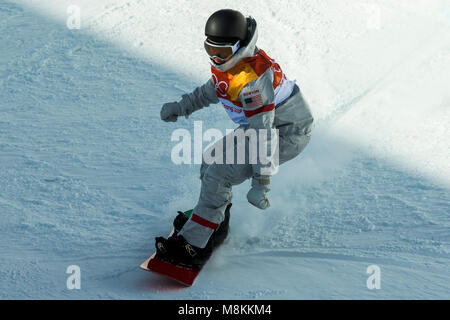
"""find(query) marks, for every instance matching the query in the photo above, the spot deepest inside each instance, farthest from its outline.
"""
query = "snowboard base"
(183, 275)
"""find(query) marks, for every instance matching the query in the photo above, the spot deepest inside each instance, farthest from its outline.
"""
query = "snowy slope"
(85, 171)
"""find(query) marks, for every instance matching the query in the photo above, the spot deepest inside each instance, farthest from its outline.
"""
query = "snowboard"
(183, 275)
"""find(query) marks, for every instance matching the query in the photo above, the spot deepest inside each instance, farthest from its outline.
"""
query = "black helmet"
(226, 25)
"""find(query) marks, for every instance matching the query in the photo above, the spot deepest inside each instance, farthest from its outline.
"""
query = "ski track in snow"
(86, 177)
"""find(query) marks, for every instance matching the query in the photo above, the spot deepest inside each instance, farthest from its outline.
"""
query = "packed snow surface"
(86, 176)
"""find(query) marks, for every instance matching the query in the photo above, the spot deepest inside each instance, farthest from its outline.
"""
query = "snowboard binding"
(176, 250)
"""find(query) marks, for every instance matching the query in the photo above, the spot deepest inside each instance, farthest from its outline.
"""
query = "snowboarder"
(257, 95)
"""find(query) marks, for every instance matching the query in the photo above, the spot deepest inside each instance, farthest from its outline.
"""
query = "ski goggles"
(223, 52)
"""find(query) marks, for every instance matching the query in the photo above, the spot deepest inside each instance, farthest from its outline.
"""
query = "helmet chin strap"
(242, 53)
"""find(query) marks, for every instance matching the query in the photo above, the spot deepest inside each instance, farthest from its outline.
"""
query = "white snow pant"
(218, 179)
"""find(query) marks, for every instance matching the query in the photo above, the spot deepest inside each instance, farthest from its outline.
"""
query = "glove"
(257, 194)
(170, 111)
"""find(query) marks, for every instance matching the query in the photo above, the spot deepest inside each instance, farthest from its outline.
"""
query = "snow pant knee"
(292, 145)
(215, 195)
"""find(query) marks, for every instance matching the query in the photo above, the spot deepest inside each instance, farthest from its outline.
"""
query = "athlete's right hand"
(170, 111)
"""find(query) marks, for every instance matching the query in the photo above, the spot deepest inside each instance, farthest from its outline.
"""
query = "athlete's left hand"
(257, 194)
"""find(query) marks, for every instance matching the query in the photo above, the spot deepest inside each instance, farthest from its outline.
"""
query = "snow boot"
(219, 235)
(176, 250)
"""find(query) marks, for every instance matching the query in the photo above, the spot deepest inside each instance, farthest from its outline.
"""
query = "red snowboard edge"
(183, 275)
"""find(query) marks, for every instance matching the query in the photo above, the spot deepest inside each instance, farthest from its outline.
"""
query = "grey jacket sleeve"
(258, 100)
(201, 97)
